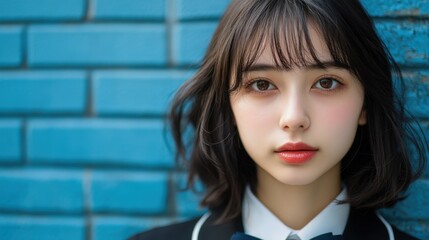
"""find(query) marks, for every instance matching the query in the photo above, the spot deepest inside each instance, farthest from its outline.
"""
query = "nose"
(294, 115)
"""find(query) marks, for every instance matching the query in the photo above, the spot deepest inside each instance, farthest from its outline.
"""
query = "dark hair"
(378, 167)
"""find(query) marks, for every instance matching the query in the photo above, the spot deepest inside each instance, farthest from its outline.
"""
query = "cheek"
(254, 123)
(340, 121)
(343, 115)
(252, 116)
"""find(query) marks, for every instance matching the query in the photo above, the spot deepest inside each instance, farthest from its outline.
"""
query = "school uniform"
(336, 221)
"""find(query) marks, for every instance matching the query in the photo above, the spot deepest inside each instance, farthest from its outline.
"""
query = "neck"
(297, 205)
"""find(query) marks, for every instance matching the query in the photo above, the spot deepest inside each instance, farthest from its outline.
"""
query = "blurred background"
(84, 86)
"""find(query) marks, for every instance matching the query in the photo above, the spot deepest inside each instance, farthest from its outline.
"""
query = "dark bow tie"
(326, 236)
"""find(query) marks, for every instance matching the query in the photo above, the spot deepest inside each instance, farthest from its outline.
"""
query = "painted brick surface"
(11, 46)
(84, 86)
(407, 41)
(417, 86)
(10, 141)
(41, 191)
(129, 9)
(144, 193)
(43, 92)
(90, 45)
(106, 142)
(46, 228)
(190, 42)
(188, 204)
(413, 207)
(134, 92)
(195, 9)
(18, 10)
(187, 201)
(419, 229)
(397, 8)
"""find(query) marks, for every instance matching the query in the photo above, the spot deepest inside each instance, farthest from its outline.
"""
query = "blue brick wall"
(190, 41)
(43, 92)
(97, 45)
(96, 141)
(11, 46)
(10, 141)
(83, 90)
(41, 191)
(53, 10)
(129, 9)
(42, 227)
(111, 192)
(135, 92)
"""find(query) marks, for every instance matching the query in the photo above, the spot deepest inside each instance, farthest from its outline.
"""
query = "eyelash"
(335, 79)
(250, 88)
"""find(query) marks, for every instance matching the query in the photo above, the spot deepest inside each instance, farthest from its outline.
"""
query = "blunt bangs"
(284, 27)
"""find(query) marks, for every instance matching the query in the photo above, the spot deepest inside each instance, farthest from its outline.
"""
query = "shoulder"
(206, 228)
(180, 231)
(370, 225)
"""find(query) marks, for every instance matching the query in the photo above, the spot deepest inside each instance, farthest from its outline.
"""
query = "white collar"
(258, 221)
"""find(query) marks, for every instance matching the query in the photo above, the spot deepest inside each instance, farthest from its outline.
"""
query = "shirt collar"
(260, 222)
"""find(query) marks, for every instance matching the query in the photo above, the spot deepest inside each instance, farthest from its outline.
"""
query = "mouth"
(296, 153)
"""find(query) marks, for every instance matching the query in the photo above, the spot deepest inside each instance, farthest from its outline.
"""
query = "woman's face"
(298, 124)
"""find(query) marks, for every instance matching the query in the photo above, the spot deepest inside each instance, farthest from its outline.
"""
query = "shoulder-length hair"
(378, 167)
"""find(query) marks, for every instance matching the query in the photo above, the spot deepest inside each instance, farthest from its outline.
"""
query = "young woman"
(297, 131)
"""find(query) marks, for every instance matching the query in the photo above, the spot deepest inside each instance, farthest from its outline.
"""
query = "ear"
(362, 117)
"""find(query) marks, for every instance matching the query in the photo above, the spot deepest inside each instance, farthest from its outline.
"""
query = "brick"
(110, 192)
(41, 191)
(129, 9)
(97, 45)
(43, 92)
(195, 9)
(417, 92)
(191, 41)
(407, 41)
(188, 202)
(424, 126)
(119, 142)
(123, 227)
(46, 228)
(419, 229)
(11, 46)
(414, 207)
(10, 141)
(398, 8)
(135, 92)
(18, 10)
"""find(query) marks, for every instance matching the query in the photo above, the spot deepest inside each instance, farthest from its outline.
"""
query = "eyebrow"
(321, 65)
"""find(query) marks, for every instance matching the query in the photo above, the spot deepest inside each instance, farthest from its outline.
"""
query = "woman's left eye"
(327, 84)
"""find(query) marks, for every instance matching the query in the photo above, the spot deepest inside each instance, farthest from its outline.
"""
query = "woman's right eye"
(261, 85)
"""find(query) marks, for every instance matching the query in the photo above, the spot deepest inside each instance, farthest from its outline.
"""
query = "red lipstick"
(296, 153)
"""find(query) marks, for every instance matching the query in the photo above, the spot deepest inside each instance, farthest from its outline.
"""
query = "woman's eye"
(262, 85)
(327, 83)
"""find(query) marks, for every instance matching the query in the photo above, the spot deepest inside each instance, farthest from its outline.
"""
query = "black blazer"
(360, 226)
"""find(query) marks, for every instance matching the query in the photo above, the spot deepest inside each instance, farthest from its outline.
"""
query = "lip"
(296, 153)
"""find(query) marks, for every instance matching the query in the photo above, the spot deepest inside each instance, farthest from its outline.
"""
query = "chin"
(296, 180)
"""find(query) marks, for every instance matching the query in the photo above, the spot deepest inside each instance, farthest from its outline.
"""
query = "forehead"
(302, 54)
(288, 46)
